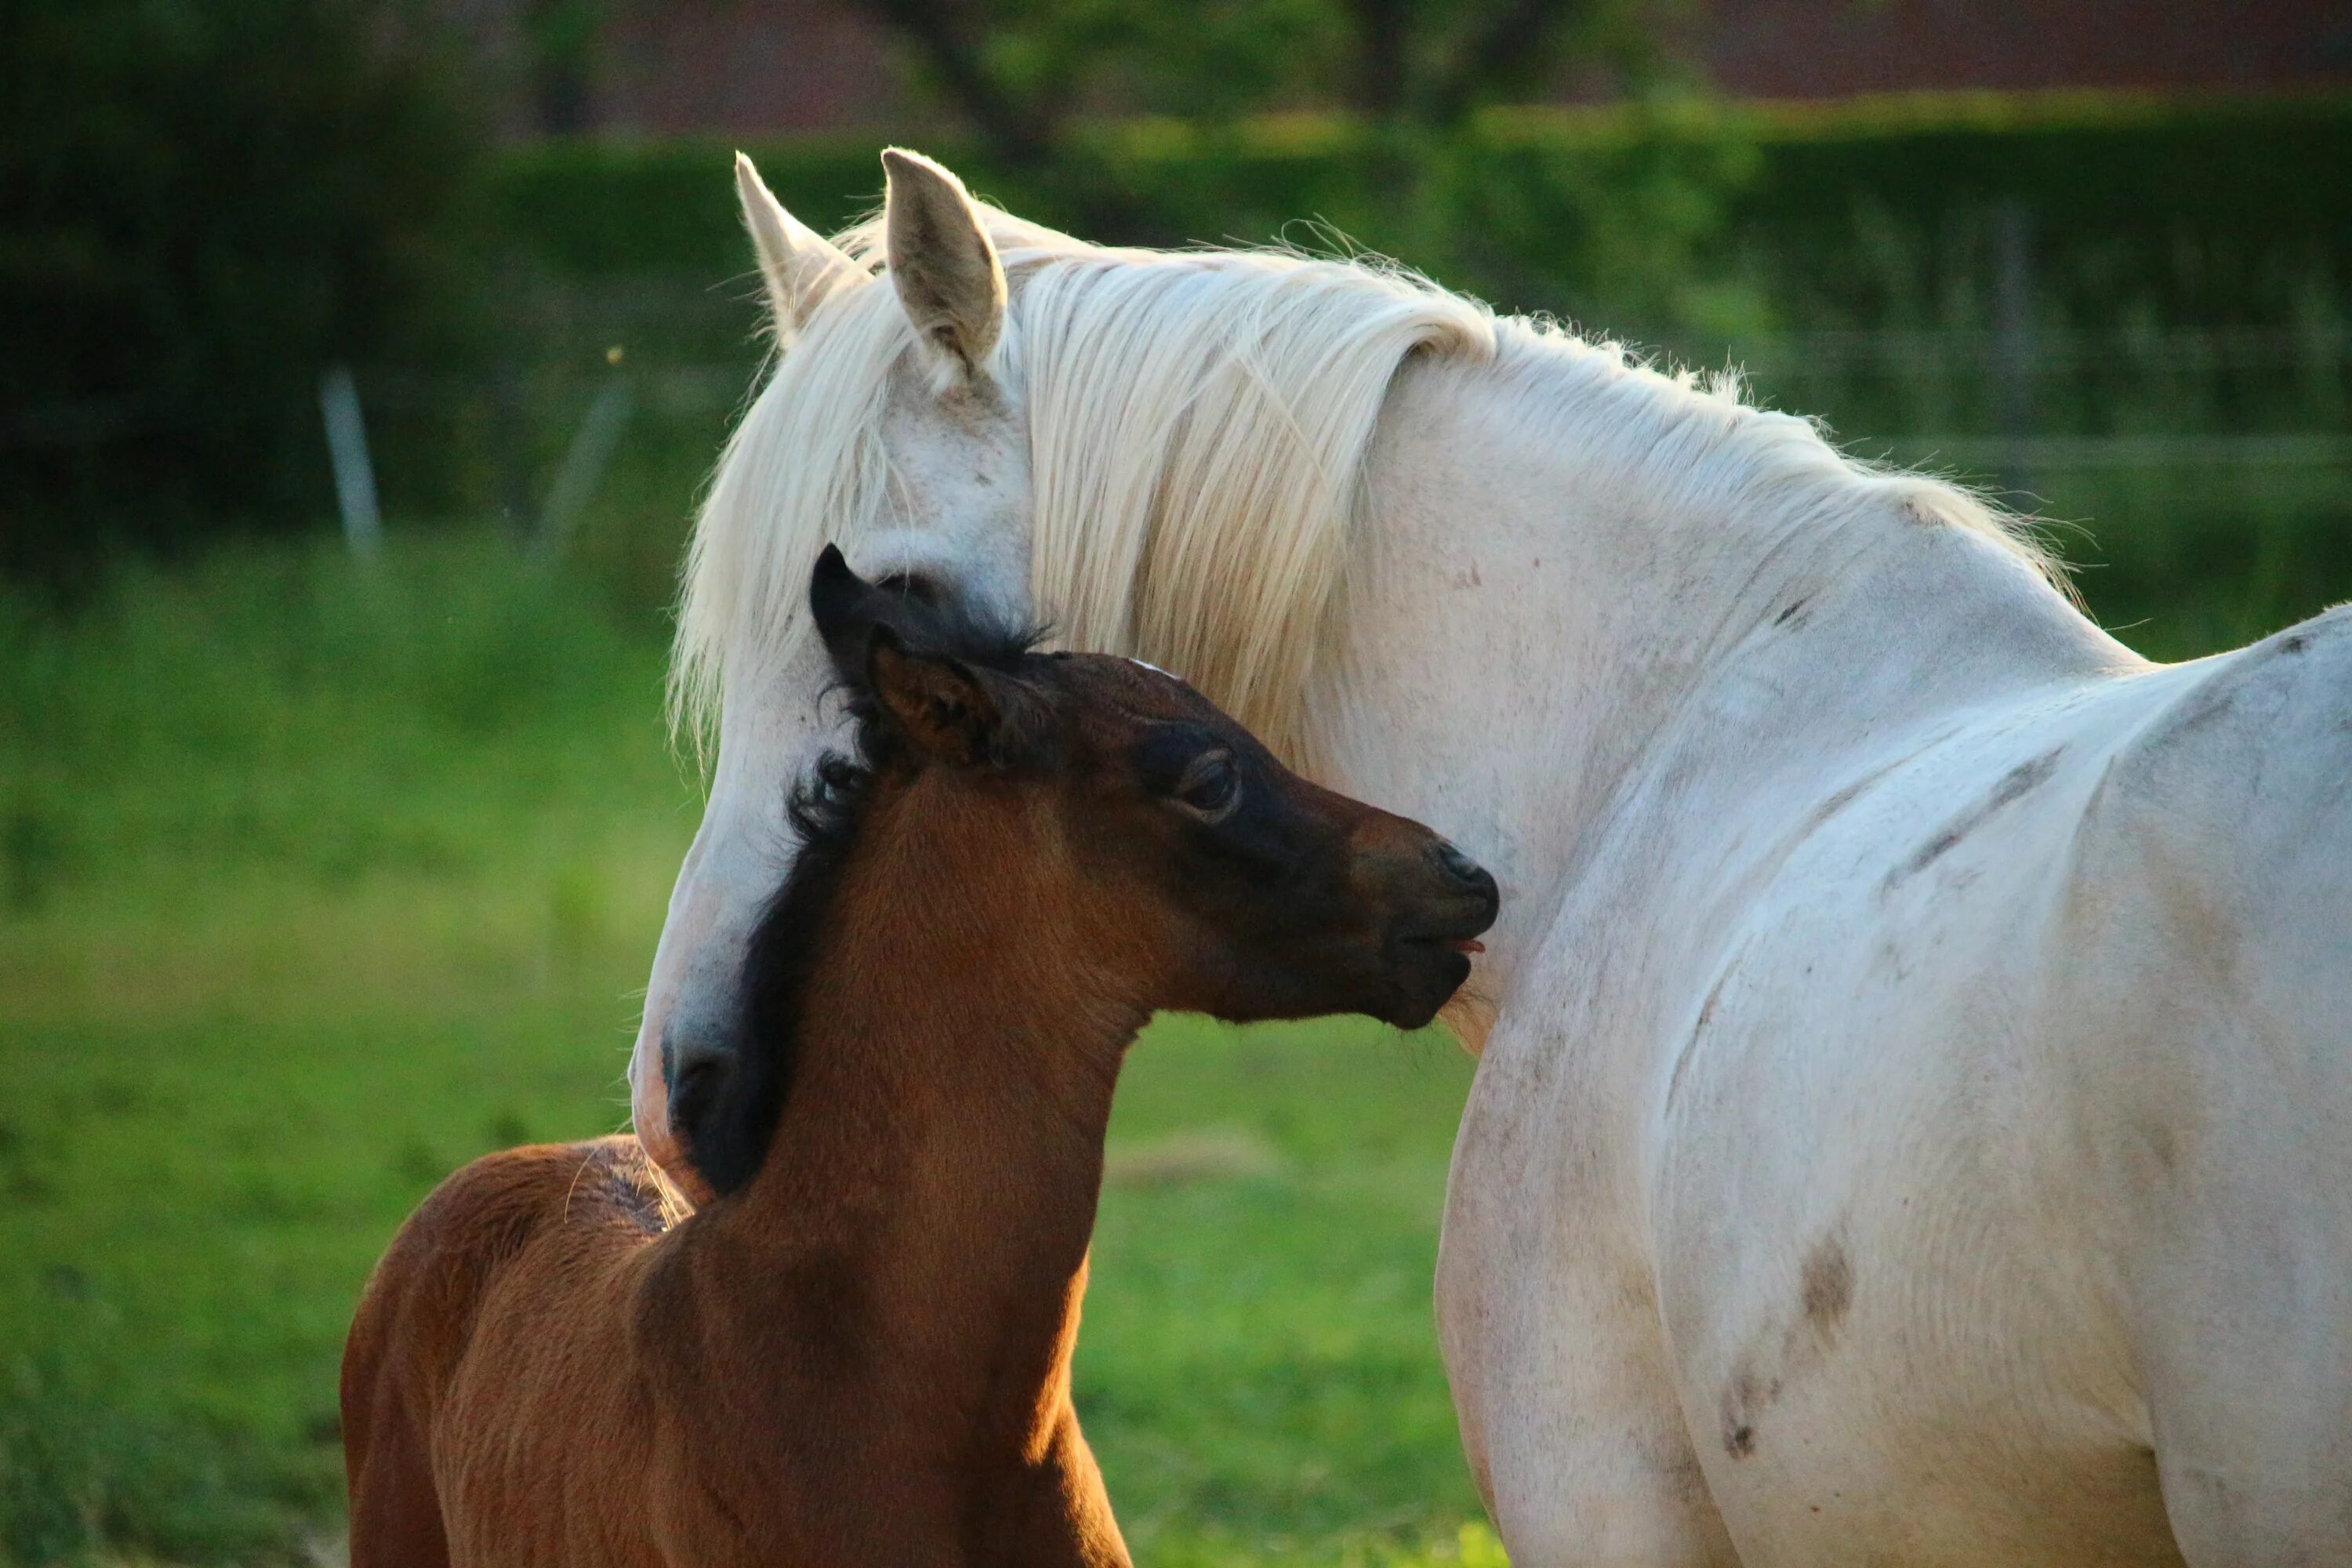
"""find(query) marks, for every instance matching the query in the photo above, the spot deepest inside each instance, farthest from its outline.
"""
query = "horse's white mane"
(1198, 423)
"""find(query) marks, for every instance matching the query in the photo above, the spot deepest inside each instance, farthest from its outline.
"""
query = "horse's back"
(2223, 820)
(2025, 1063)
(2201, 962)
(493, 1239)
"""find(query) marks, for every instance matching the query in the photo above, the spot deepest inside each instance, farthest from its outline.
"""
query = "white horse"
(1915, 1122)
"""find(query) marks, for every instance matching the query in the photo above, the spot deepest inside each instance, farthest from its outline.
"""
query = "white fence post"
(584, 463)
(339, 406)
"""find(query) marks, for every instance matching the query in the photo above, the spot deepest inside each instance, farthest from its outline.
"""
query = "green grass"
(316, 882)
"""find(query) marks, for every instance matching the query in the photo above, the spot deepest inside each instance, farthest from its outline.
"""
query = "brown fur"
(862, 1356)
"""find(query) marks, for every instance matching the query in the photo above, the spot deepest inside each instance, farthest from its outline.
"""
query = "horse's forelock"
(1197, 421)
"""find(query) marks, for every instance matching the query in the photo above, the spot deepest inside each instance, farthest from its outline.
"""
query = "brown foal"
(859, 1351)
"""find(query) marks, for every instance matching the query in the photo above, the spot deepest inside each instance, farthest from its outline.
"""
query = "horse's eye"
(1209, 788)
(914, 585)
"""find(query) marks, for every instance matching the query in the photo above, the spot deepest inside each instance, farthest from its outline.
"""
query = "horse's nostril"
(687, 1066)
(1459, 868)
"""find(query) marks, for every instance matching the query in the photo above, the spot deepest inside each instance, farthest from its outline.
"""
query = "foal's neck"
(941, 1148)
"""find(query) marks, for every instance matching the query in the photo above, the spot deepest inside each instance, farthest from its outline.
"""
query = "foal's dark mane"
(730, 1124)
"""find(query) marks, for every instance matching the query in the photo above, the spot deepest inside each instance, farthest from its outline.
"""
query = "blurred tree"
(1023, 71)
(1628, 233)
(1431, 63)
(201, 205)
(561, 36)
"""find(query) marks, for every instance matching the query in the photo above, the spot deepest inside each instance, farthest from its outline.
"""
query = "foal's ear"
(942, 262)
(945, 707)
(846, 608)
(801, 265)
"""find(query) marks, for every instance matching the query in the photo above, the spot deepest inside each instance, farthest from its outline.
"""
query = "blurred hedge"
(201, 205)
(2204, 211)
(205, 205)
(1631, 210)
(2211, 214)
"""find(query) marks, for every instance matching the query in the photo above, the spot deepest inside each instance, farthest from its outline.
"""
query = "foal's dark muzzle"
(1452, 900)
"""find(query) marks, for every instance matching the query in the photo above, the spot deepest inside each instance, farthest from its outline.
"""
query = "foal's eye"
(1210, 785)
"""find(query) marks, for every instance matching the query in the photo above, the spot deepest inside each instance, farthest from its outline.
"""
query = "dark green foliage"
(1629, 221)
(590, 209)
(206, 204)
(2207, 213)
(2201, 213)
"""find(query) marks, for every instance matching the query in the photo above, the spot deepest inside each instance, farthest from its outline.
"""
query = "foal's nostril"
(1460, 869)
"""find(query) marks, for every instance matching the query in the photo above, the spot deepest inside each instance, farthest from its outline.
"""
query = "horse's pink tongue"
(1467, 945)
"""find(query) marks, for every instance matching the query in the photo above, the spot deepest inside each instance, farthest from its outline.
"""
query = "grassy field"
(317, 881)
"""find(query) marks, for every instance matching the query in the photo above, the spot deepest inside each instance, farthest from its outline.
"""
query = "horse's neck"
(1524, 640)
(937, 1166)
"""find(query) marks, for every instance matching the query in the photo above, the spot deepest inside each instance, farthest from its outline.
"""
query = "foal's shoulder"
(492, 1208)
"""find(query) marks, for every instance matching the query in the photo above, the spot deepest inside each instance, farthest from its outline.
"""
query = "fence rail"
(2108, 452)
(2058, 351)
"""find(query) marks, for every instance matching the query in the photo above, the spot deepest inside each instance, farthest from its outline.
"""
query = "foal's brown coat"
(861, 1356)
(904, 1275)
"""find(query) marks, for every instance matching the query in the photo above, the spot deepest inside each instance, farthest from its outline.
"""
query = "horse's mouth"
(1465, 945)
(1456, 930)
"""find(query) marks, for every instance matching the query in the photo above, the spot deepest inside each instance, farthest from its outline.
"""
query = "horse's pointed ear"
(801, 265)
(942, 706)
(942, 262)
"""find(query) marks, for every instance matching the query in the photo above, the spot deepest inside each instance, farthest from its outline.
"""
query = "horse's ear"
(944, 708)
(801, 265)
(942, 262)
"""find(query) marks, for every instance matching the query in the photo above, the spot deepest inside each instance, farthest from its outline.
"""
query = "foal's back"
(473, 1323)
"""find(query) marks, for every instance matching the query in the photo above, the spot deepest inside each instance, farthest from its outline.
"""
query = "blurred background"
(364, 358)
